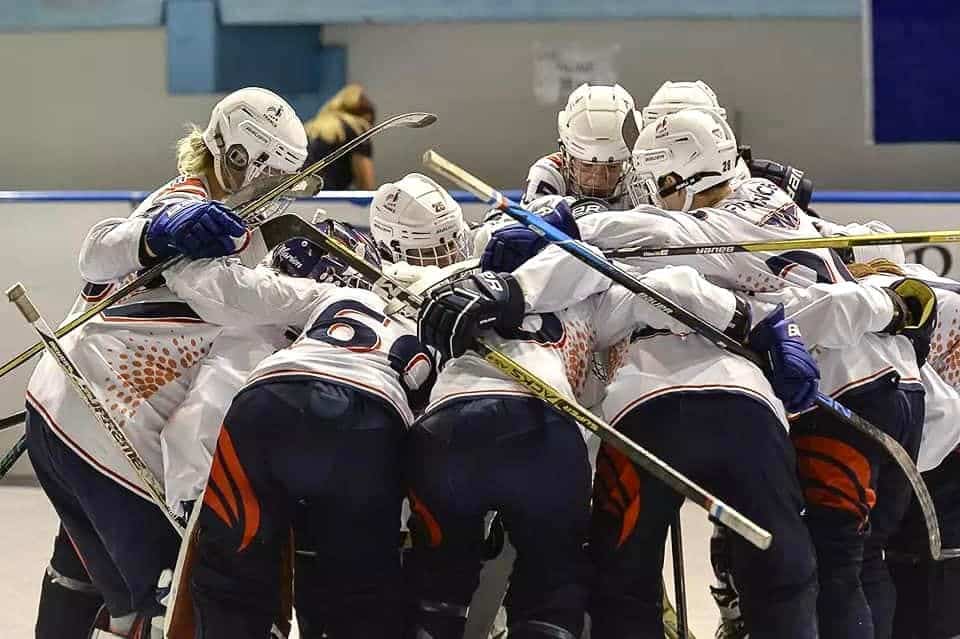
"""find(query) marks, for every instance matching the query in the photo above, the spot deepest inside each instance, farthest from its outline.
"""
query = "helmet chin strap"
(218, 171)
(687, 199)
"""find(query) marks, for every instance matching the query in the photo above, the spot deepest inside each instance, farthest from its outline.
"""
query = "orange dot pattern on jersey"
(945, 344)
(577, 352)
(145, 367)
(616, 356)
(759, 282)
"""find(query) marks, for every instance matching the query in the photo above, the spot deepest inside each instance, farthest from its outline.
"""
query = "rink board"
(43, 232)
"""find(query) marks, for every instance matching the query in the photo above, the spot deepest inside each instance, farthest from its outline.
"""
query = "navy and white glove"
(789, 178)
(791, 370)
(202, 229)
(299, 257)
(914, 314)
(511, 246)
(453, 315)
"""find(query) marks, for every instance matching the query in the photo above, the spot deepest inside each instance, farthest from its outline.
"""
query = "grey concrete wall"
(89, 109)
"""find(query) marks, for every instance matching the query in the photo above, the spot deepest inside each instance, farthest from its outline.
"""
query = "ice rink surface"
(28, 525)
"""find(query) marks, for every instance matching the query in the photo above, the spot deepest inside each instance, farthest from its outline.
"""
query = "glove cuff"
(900, 313)
(739, 326)
(514, 306)
(146, 253)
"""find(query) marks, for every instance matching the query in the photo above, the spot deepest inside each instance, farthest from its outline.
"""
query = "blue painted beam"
(205, 56)
(337, 11)
(191, 46)
(33, 15)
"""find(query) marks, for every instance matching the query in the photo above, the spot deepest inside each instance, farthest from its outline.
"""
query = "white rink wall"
(43, 239)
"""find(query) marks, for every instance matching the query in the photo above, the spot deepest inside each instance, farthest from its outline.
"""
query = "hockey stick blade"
(395, 290)
(417, 120)
(577, 249)
(835, 242)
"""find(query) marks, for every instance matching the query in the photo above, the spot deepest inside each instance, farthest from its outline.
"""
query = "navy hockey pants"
(734, 447)
(518, 457)
(322, 460)
(124, 541)
(856, 498)
(928, 592)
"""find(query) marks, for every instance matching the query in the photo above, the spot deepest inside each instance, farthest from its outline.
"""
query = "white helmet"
(595, 157)
(694, 145)
(416, 221)
(673, 96)
(253, 132)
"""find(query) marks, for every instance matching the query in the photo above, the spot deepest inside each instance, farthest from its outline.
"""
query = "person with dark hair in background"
(344, 116)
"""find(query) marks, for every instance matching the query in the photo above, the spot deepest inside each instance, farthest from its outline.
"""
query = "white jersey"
(558, 346)
(545, 177)
(661, 364)
(892, 252)
(758, 210)
(160, 359)
(349, 341)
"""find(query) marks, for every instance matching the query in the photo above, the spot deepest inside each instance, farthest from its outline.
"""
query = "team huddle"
(290, 402)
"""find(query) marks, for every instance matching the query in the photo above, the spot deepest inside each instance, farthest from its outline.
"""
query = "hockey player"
(146, 358)
(675, 96)
(685, 162)
(592, 160)
(312, 444)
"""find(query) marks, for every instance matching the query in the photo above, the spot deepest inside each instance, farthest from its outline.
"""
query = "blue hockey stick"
(435, 162)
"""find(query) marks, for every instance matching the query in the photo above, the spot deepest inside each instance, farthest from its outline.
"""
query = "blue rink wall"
(43, 232)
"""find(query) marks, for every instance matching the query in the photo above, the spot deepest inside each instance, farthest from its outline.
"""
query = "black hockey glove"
(453, 315)
(914, 314)
(788, 178)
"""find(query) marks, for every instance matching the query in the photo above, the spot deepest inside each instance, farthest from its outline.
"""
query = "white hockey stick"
(18, 295)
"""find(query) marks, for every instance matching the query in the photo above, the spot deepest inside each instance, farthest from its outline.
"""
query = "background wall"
(90, 109)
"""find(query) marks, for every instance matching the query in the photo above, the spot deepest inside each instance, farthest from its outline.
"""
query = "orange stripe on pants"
(233, 468)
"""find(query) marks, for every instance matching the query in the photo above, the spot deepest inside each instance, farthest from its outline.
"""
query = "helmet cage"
(450, 250)
(594, 178)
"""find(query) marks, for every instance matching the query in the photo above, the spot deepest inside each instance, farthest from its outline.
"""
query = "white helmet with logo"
(673, 96)
(696, 146)
(253, 132)
(416, 221)
(595, 157)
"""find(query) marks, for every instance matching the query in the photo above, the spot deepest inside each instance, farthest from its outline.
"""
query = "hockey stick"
(18, 296)
(393, 289)
(245, 211)
(679, 581)
(12, 456)
(18, 448)
(13, 420)
(577, 249)
(835, 242)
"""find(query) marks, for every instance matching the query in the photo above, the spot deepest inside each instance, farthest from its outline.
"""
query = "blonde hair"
(193, 156)
(347, 108)
(873, 267)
